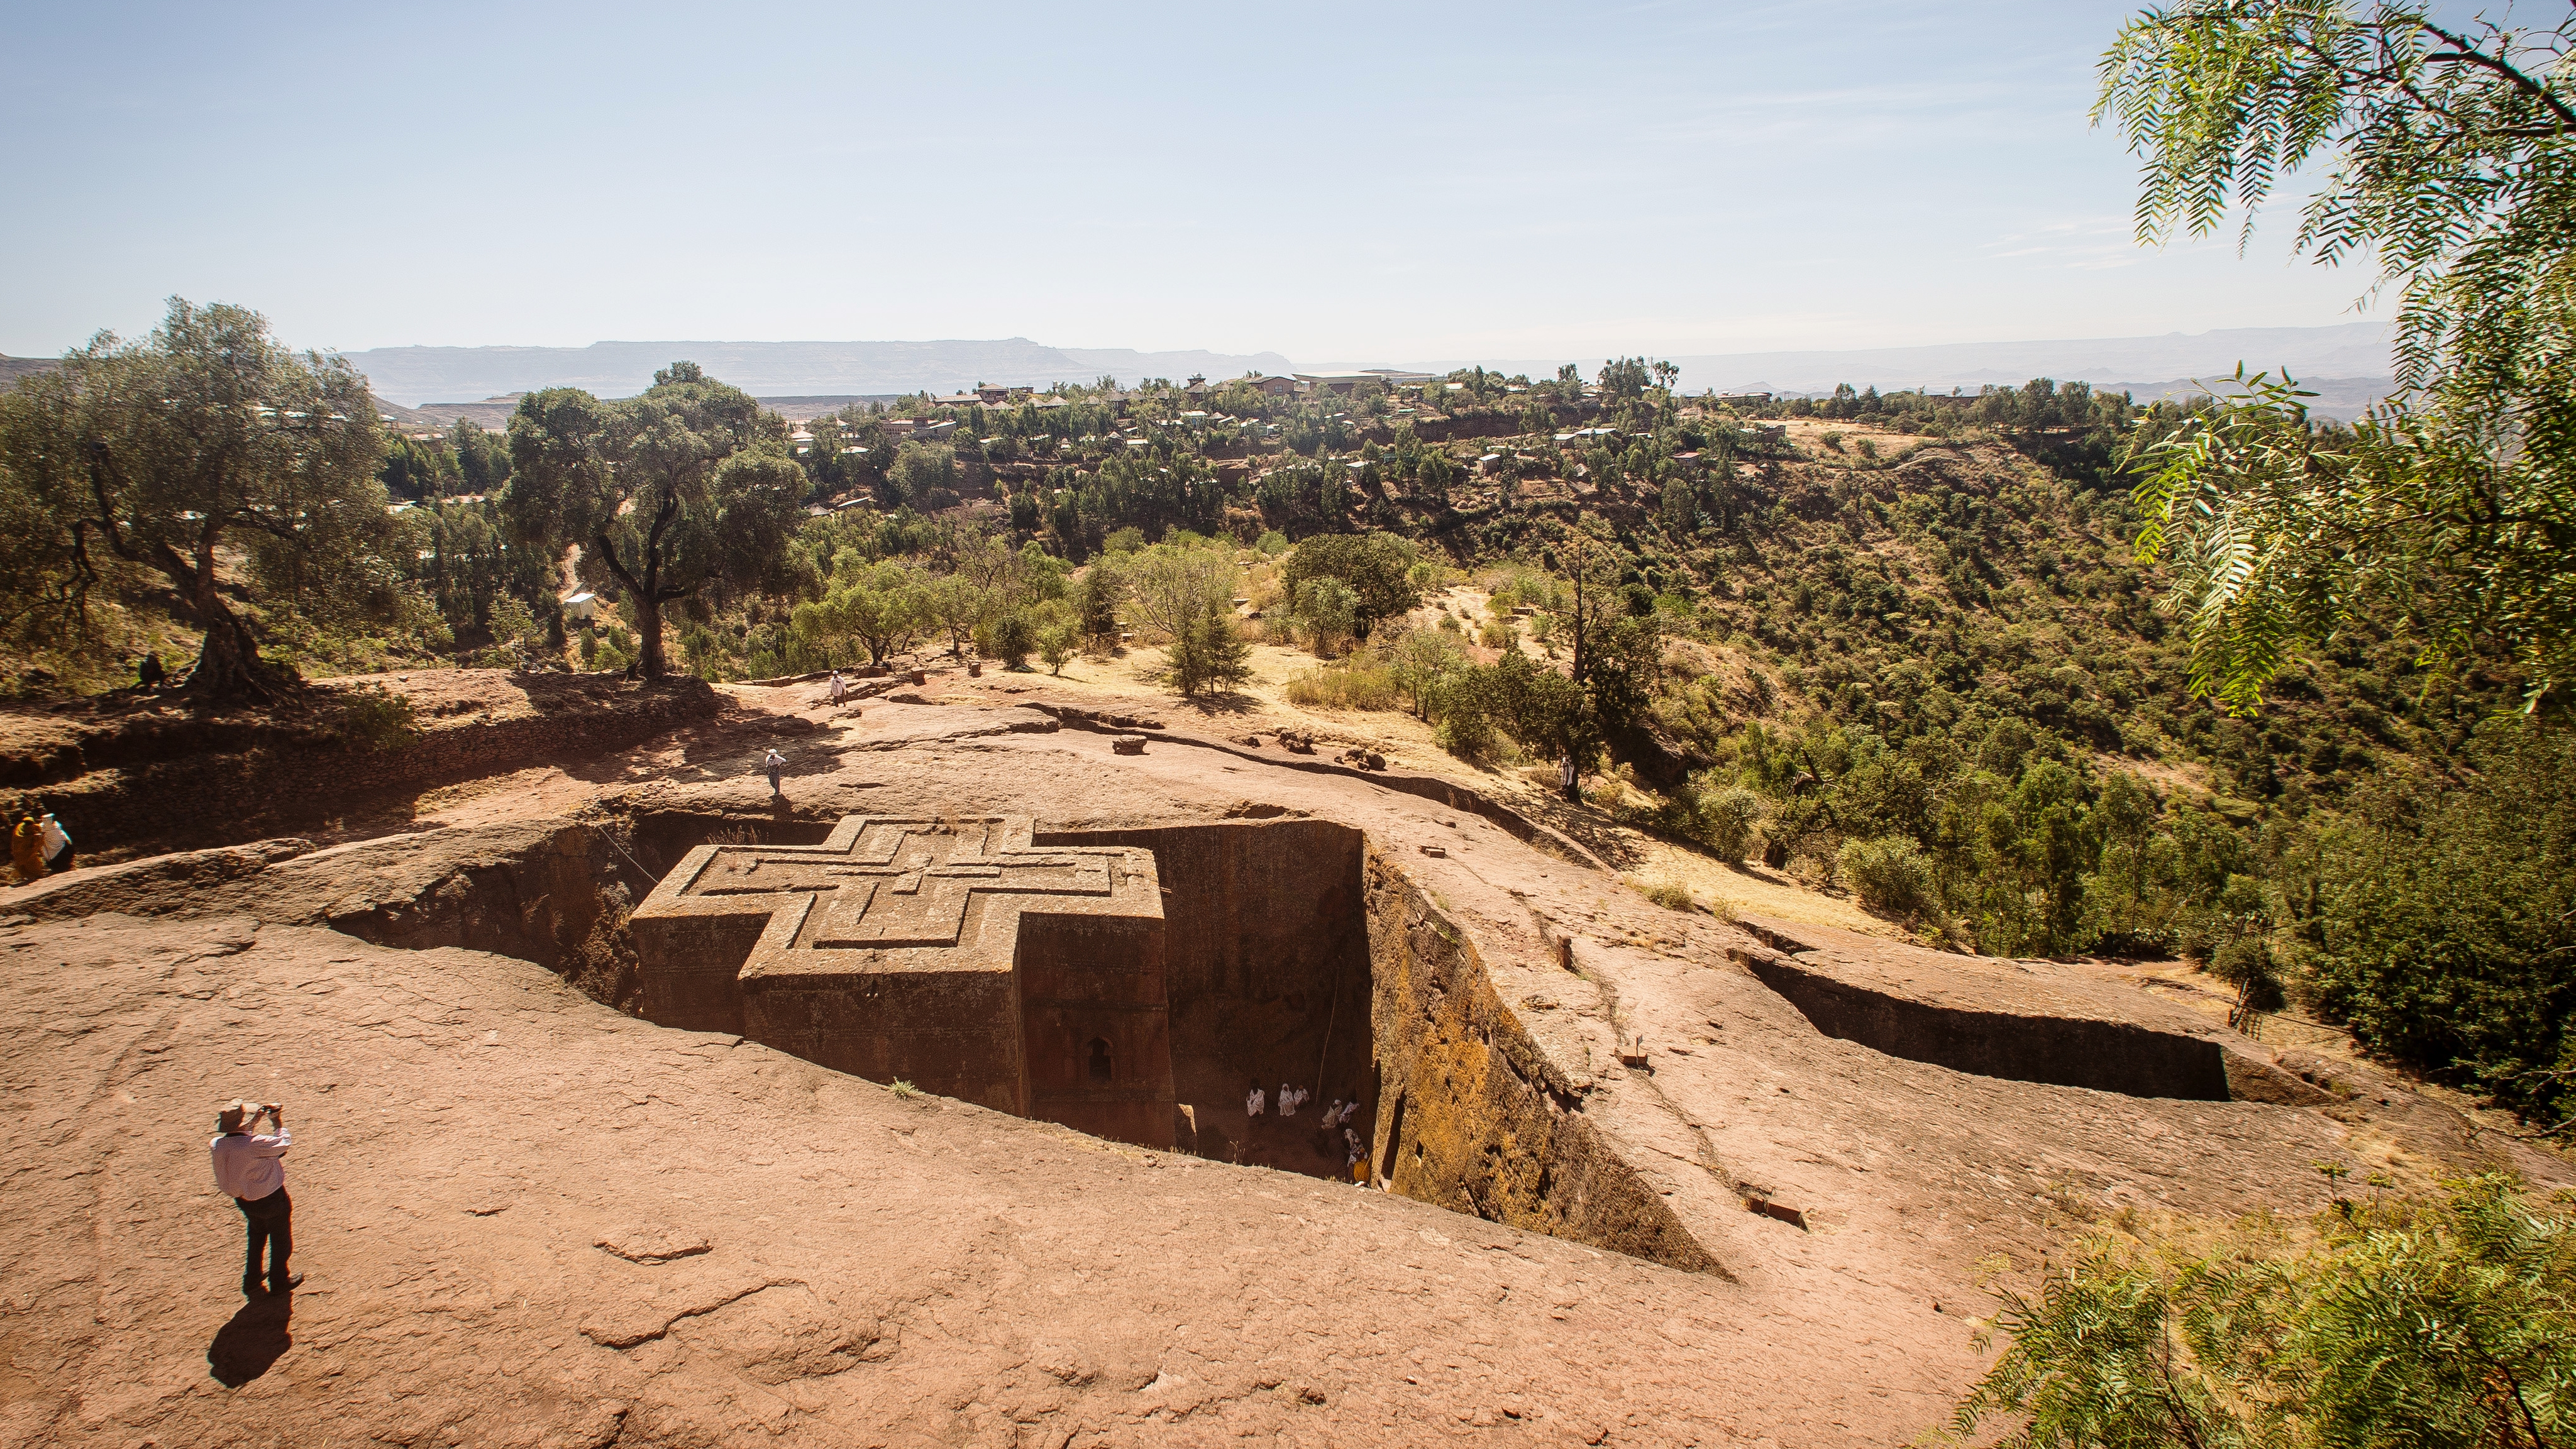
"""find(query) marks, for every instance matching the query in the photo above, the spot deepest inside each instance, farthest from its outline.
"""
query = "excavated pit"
(1294, 952)
(2065, 1051)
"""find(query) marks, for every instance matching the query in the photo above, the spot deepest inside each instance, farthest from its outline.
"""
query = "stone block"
(949, 953)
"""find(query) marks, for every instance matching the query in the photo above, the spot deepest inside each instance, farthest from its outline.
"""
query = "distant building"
(581, 608)
(1349, 381)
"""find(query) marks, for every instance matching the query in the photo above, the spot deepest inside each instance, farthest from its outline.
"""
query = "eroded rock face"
(949, 953)
(1480, 1120)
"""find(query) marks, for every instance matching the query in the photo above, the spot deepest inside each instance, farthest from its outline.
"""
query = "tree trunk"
(648, 628)
(228, 664)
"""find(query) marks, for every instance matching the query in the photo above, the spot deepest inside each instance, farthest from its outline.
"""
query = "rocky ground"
(531, 1220)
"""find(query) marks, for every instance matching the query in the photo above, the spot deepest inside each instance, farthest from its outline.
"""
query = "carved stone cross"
(950, 953)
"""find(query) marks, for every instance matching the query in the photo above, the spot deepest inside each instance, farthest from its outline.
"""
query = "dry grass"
(1343, 687)
(1671, 895)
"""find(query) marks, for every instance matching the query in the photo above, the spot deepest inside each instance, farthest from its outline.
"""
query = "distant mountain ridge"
(2349, 364)
(412, 376)
(2150, 365)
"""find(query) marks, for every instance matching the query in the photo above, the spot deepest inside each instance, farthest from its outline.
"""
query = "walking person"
(251, 1169)
(775, 766)
(1565, 773)
(56, 843)
(149, 674)
(840, 688)
(27, 849)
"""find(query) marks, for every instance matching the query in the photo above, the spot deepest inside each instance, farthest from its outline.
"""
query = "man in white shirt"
(251, 1169)
(1252, 1100)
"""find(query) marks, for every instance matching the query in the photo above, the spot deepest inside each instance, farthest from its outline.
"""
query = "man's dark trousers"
(270, 1224)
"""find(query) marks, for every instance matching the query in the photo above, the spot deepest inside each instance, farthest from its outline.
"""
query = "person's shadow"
(255, 1338)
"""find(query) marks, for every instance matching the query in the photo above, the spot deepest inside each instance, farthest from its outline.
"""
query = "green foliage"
(1728, 820)
(2454, 168)
(688, 486)
(1890, 874)
(1417, 660)
(1103, 590)
(924, 475)
(1538, 709)
(1058, 634)
(879, 607)
(1011, 640)
(1376, 566)
(161, 457)
(2426, 1325)
(1208, 653)
(1327, 610)
(375, 718)
(2444, 927)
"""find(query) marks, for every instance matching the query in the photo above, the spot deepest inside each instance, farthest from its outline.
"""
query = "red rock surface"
(877, 1270)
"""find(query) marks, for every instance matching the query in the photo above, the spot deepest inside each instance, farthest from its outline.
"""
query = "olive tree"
(687, 486)
(205, 442)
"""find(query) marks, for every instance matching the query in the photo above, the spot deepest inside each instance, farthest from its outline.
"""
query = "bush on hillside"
(1729, 819)
(2449, 1322)
(2445, 928)
(1890, 874)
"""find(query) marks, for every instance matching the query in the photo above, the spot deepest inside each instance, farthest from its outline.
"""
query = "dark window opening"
(1099, 1059)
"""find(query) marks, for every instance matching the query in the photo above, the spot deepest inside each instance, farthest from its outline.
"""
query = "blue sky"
(1348, 185)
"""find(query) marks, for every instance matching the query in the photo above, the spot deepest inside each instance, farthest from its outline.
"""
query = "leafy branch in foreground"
(2454, 152)
(2425, 1324)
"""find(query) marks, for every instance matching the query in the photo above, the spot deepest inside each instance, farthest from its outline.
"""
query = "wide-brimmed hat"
(232, 1115)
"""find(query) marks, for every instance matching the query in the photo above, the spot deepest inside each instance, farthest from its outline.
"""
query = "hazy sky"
(1349, 185)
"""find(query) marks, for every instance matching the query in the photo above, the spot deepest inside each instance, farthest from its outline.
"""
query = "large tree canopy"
(689, 485)
(2450, 159)
(210, 455)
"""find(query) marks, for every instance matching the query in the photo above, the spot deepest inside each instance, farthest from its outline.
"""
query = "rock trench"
(1298, 953)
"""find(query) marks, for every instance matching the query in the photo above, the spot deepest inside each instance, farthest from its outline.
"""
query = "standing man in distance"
(252, 1170)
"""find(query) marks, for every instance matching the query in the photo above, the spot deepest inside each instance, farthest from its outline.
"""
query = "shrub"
(1890, 874)
(1728, 819)
(1329, 611)
(1208, 654)
(2446, 919)
(1013, 638)
(2392, 1323)
(376, 718)
(1375, 567)
(1495, 633)
(1672, 896)
(2246, 964)
(1058, 641)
